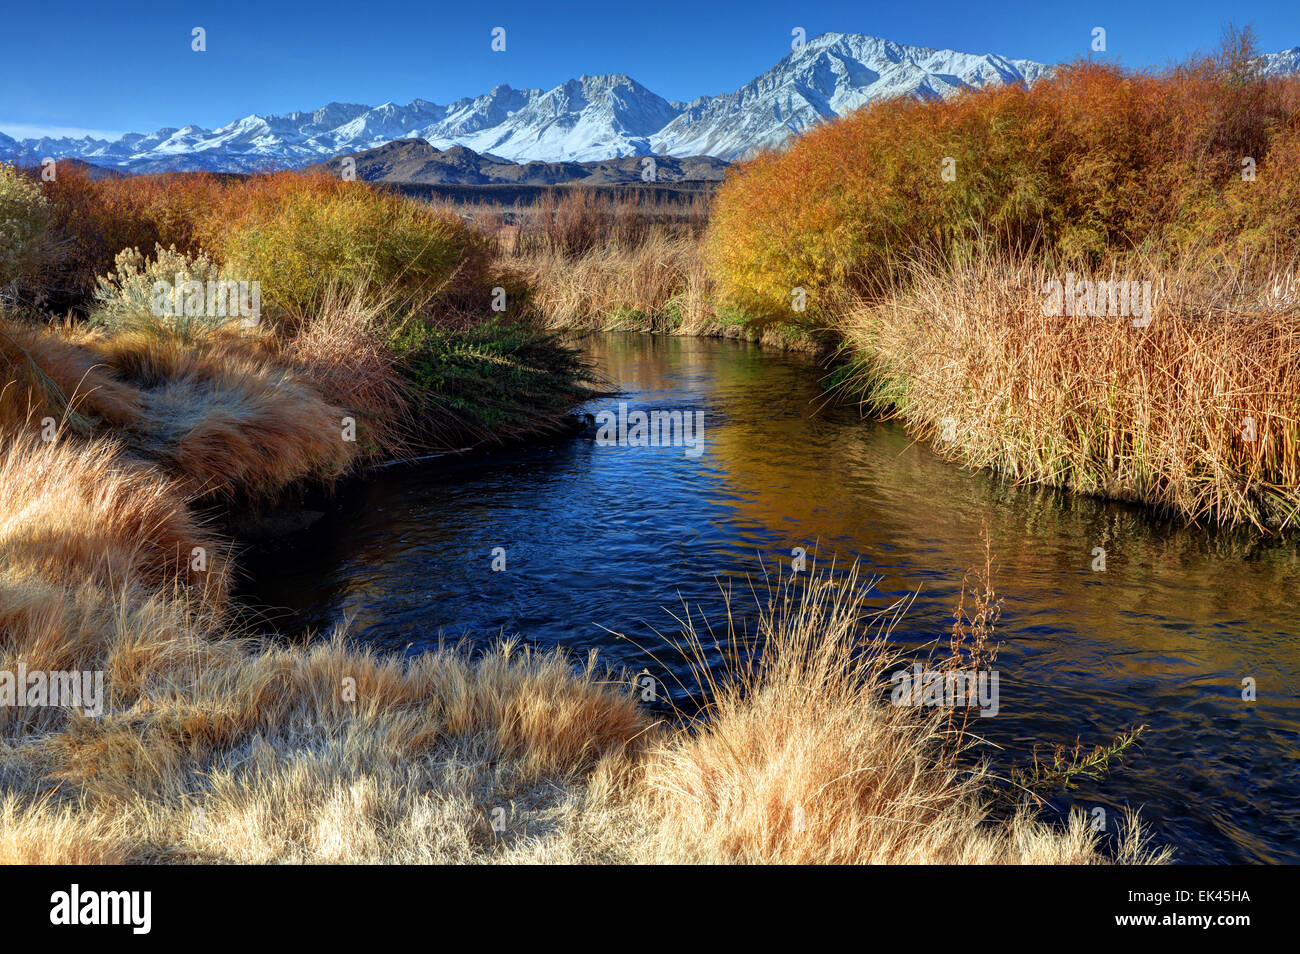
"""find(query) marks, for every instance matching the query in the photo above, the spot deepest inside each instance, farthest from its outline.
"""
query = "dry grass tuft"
(224, 416)
(341, 346)
(41, 835)
(74, 513)
(43, 375)
(1195, 413)
(799, 758)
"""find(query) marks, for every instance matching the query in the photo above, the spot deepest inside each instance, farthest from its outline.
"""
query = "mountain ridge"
(416, 161)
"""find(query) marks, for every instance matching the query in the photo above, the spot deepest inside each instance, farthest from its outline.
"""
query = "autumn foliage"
(299, 234)
(1092, 162)
(294, 233)
(96, 218)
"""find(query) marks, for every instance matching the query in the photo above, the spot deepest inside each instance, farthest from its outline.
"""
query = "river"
(612, 539)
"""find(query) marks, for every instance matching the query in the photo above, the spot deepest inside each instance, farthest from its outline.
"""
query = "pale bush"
(126, 299)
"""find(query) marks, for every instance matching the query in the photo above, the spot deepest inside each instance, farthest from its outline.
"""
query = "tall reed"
(1194, 413)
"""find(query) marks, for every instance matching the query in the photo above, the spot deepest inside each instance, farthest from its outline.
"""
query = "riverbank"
(1101, 295)
(1190, 412)
(215, 747)
(1114, 618)
(212, 745)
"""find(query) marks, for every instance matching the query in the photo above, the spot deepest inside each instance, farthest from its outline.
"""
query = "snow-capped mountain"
(587, 119)
(832, 75)
(1282, 63)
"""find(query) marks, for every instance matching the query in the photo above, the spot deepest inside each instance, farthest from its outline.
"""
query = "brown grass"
(341, 346)
(42, 375)
(1195, 413)
(233, 413)
(658, 285)
(225, 418)
(217, 751)
(84, 513)
(575, 221)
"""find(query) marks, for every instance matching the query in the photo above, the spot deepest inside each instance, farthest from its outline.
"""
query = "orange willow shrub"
(94, 219)
(297, 234)
(1092, 160)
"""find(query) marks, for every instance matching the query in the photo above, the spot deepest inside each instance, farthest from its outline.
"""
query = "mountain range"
(588, 119)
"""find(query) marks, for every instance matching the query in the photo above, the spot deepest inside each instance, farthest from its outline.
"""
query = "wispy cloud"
(31, 131)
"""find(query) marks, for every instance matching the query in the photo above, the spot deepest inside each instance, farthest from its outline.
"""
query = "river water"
(612, 539)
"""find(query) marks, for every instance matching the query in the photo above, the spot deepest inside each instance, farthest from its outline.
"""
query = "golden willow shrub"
(1092, 160)
(293, 233)
(299, 235)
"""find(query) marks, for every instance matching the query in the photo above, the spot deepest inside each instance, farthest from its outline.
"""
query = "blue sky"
(119, 66)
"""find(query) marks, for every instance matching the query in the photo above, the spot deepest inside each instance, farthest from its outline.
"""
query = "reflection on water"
(601, 539)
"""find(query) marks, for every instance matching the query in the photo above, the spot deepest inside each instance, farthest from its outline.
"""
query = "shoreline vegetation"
(381, 328)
